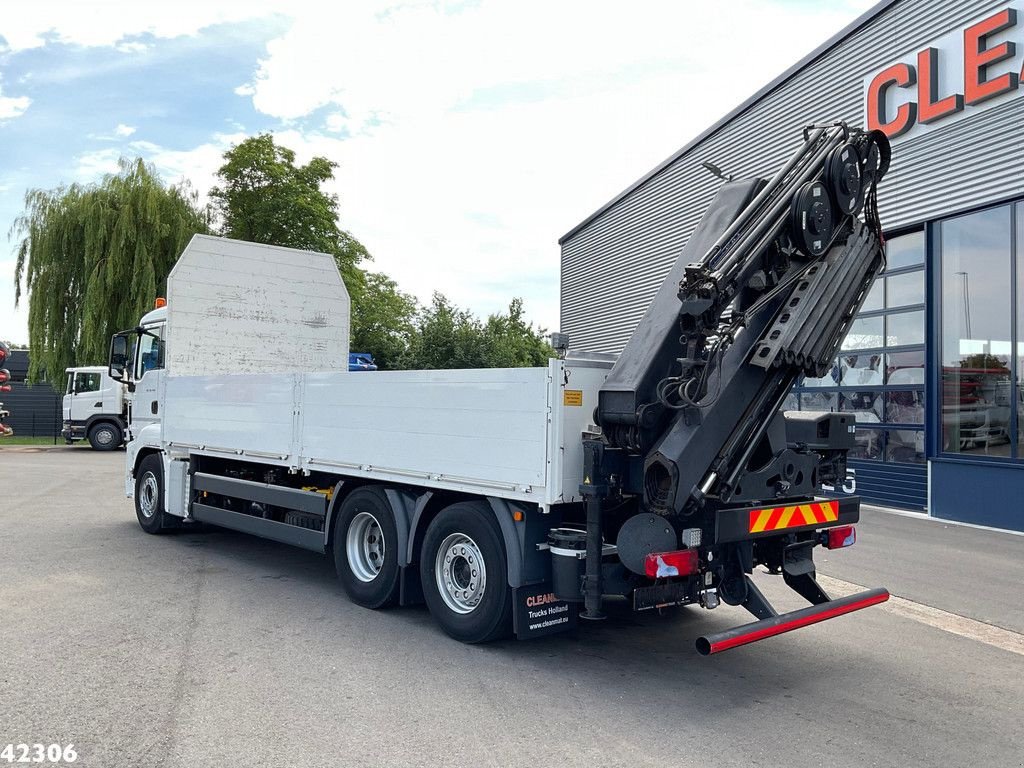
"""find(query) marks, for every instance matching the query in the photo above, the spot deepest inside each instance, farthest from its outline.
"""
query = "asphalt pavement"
(215, 648)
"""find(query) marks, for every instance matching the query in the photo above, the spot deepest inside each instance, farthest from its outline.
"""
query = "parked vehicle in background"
(94, 408)
(361, 361)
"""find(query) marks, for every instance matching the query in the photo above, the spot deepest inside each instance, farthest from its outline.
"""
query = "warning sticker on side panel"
(572, 397)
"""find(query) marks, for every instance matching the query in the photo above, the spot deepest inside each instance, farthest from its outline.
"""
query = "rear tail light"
(682, 562)
(837, 538)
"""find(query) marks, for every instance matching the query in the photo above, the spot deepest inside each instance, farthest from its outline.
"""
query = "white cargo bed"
(509, 432)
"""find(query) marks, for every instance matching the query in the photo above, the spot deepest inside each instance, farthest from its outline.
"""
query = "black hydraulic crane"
(693, 440)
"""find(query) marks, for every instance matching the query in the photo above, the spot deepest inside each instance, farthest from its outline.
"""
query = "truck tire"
(149, 495)
(105, 436)
(463, 573)
(366, 548)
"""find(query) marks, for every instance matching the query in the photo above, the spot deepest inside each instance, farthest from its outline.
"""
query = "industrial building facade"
(932, 366)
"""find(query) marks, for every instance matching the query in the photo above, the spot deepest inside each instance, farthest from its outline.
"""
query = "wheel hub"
(149, 495)
(460, 573)
(365, 547)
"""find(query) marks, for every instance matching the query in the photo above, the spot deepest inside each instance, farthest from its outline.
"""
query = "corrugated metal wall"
(35, 411)
(612, 267)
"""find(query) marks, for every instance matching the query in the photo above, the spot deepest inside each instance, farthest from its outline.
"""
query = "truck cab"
(148, 367)
(94, 408)
(137, 363)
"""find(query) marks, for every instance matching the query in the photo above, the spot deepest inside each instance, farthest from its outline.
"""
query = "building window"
(879, 373)
(978, 367)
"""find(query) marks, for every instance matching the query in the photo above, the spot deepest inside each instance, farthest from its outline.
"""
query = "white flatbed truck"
(358, 464)
(516, 500)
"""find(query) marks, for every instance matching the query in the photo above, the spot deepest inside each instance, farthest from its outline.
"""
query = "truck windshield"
(151, 353)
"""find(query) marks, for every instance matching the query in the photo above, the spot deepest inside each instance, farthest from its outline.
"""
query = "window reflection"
(904, 328)
(1019, 389)
(904, 407)
(864, 333)
(861, 370)
(905, 250)
(906, 445)
(865, 406)
(976, 349)
(869, 444)
(874, 299)
(905, 367)
(819, 401)
(904, 290)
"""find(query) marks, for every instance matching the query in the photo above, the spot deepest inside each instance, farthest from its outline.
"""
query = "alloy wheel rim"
(149, 496)
(365, 547)
(460, 573)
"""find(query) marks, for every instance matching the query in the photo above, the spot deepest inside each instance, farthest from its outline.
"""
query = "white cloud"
(472, 135)
(335, 122)
(124, 130)
(132, 47)
(198, 165)
(90, 166)
(532, 113)
(109, 21)
(12, 106)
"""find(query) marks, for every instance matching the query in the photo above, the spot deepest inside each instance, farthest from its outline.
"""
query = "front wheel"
(149, 494)
(464, 575)
(105, 436)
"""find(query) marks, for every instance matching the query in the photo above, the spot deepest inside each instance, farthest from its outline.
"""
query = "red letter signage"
(930, 107)
(969, 69)
(902, 75)
(978, 58)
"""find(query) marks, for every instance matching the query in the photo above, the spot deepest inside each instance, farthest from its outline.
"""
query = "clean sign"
(959, 74)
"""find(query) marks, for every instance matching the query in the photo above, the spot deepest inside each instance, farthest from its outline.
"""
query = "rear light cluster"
(682, 562)
(839, 537)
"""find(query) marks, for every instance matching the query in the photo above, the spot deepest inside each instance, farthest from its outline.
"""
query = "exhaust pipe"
(776, 625)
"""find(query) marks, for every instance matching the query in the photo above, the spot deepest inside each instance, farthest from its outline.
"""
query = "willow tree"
(92, 258)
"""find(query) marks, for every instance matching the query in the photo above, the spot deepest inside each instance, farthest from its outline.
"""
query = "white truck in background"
(94, 408)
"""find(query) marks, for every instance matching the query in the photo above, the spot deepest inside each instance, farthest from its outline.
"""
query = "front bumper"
(73, 431)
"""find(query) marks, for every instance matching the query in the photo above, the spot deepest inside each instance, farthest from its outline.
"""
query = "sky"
(470, 135)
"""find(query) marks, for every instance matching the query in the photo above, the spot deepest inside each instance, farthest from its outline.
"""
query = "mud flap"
(537, 612)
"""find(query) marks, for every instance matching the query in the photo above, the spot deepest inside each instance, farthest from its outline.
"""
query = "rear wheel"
(149, 494)
(463, 573)
(366, 548)
(105, 436)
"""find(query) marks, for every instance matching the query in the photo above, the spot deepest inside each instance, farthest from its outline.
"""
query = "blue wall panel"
(888, 484)
(984, 493)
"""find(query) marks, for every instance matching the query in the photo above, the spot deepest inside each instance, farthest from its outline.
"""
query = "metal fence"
(35, 411)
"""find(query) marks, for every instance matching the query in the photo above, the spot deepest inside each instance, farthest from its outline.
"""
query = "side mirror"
(117, 363)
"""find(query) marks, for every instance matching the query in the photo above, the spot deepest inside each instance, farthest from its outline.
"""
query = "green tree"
(449, 337)
(383, 319)
(512, 342)
(92, 258)
(264, 197)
